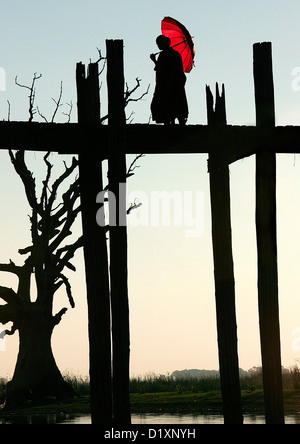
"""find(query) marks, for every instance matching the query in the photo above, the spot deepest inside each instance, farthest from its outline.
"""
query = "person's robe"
(169, 99)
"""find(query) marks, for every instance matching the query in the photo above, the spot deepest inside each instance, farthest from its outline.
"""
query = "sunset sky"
(171, 283)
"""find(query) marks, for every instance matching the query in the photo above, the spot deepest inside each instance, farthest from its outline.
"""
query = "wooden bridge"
(107, 291)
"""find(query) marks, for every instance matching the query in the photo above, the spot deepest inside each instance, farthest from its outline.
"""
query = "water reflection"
(51, 418)
(140, 419)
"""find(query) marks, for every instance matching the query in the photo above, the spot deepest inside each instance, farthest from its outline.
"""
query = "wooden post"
(118, 231)
(266, 239)
(223, 267)
(95, 254)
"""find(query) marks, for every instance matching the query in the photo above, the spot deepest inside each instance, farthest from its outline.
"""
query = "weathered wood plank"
(74, 138)
(69, 138)
(95, 254)
(118, 232)
(266, 238)
(223, 270)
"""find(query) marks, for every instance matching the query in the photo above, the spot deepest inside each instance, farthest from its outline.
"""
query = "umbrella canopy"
(181, 41)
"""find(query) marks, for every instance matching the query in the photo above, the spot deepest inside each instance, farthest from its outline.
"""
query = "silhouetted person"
(169, 99)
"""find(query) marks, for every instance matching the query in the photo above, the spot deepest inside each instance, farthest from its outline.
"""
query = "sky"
(171, 282)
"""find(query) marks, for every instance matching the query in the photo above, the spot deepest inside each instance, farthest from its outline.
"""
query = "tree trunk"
(36, 374)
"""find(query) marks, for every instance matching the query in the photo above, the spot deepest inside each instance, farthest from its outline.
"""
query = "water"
(143, 419)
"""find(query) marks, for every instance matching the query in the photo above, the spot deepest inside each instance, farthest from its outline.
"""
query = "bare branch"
(65, 231)
(133, 166)
(102, 119)
(44, 196)
(7, 314)
(31, 94)
(26, 176)
(68, 171)
(42, 115)
(58, 316)
(102, 69)
(128, 93)
(66, 282)
(26, 250)
(14, 328)
(133, 206)
(100, 56)
(57, 103)
(127, 98)
(28, 180)
(8, 111)
(8, 295)
(70, 111)
(129, 119)
(69, 251)
(11, 268)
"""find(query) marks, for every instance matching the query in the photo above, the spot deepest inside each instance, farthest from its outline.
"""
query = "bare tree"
(36, 374)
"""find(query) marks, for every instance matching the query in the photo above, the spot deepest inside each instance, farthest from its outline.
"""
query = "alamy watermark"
(296, 79)
(155, 209)
(2, 340)
(2, 79)
(296, 341)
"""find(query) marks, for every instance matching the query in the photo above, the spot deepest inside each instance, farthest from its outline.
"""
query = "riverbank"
(169, 402)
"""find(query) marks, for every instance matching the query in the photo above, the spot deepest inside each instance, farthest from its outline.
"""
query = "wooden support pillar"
(223, 266)
(95, 252)
(266, 239)
(118, 231)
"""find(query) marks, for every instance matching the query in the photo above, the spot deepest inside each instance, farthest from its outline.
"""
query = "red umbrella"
(180, 40)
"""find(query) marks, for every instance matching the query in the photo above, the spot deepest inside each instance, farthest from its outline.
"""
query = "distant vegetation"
(3, 382)
(207, 380)
(80, 384)
(182, 381)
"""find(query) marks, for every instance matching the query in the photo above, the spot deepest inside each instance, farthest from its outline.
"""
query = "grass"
(174, 402)
(170, 402)
(80, 384)
(161, 394)
(157, 384)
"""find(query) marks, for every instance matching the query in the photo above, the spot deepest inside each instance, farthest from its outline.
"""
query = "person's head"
(163, 42)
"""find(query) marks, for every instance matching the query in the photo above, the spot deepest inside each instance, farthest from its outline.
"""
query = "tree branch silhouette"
(31, 96)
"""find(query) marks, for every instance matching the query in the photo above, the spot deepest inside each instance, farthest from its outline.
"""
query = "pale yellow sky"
(171, 286)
